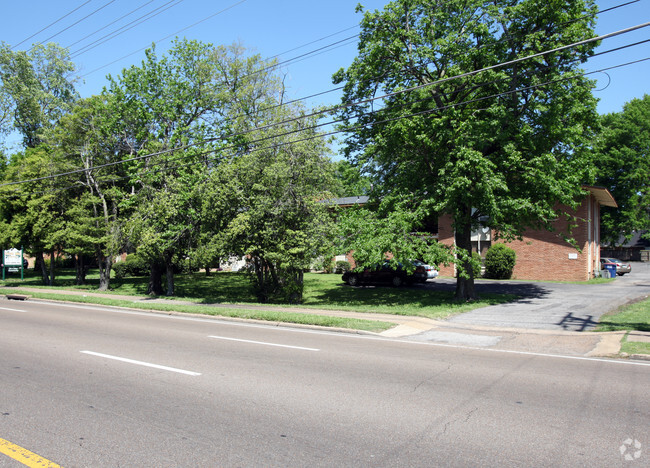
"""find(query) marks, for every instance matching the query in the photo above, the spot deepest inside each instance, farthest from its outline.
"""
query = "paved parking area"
(554, 306)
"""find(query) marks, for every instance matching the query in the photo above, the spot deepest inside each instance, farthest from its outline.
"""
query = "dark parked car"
(386, 274)
(621, 267)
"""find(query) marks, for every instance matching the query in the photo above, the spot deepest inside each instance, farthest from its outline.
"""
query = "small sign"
(573, 256)
(13, 257)
(12, 260)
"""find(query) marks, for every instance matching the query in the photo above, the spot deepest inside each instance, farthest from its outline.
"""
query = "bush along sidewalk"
(500, 262)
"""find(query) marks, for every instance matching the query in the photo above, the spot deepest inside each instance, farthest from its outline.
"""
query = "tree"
(377, 235)
(33, 214)
(277, 218)
(350, 182)
(36, 89)
(622, 156)
(174, 103)
(95, 134)
(505, 145)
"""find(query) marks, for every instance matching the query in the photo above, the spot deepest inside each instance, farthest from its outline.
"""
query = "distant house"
(347, 202)
(541, 254)
(637, 249)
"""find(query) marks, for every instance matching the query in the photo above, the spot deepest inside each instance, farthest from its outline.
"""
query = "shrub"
(132, 266)
(499, 262)
(342, 266)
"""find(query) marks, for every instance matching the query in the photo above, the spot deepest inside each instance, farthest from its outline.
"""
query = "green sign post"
(12, 260)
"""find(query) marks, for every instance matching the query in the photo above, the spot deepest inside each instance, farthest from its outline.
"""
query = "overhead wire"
(322, 50)
(338, 88)
(309, 138)
(79, 21)
(127, 27)
(318, 40)
(164, 38)
(346, 105)
(109, 24)
(257, 71)
(51, 24)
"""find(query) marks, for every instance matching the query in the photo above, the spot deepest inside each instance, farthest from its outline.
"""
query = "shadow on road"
(526, 291)
(569, 322)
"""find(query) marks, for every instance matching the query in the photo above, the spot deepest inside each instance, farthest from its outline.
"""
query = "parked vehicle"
(385, 273)
(431, 271)
(621, 267)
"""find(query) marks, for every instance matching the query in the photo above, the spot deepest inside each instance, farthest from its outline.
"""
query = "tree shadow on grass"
(608, 325)
(407, 300)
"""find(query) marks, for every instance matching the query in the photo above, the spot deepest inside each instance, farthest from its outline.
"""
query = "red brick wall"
(446, 237)
(545, 255)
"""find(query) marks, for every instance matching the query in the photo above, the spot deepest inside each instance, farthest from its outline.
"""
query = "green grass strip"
(253, 314)
(629, 317)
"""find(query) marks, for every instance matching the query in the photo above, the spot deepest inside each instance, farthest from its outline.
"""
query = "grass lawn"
(634, 347)
(630, 317)
(322, 291)
(252, 314)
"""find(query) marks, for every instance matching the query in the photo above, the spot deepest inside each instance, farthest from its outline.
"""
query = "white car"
(431, 271)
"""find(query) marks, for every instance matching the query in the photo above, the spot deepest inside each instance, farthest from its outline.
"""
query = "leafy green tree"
(506, 144)
(375, 235)
(349, 181)
(95, 137)
(623, 161)
(33, 214)
(173, 103)
(271, 204)
(36, 89)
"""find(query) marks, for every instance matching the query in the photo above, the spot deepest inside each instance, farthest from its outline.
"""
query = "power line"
(346, 105)
(110, 24)
(309, 138)
(164, 38)
(51, 24)
(136, 22)
(322, 49)
(341, 87)
(318, 40)
(79, 21)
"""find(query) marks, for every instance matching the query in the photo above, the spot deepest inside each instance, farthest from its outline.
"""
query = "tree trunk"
(170, 279)
(52, 267)
(80, 268)
(296, 296)
(40, 260)
(465, 289)
(155, 280)
(105, 264)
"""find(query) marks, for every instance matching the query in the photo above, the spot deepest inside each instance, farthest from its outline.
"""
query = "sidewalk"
(570, 343)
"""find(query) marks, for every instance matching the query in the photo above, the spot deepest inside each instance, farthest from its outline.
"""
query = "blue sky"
(271, 28)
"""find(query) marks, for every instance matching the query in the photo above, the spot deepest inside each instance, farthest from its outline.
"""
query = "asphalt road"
(96, 387)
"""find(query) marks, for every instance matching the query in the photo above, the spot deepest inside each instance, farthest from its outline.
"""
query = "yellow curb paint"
(24, 456)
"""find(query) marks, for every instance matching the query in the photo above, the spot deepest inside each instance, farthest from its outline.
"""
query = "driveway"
(553, 306)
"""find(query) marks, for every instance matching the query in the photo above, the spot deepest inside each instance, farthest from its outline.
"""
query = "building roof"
(349, 201)
(602, 195)
(636, 241)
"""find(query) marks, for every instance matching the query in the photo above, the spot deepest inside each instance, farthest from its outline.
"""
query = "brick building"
(545, 255)
(541, 255)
